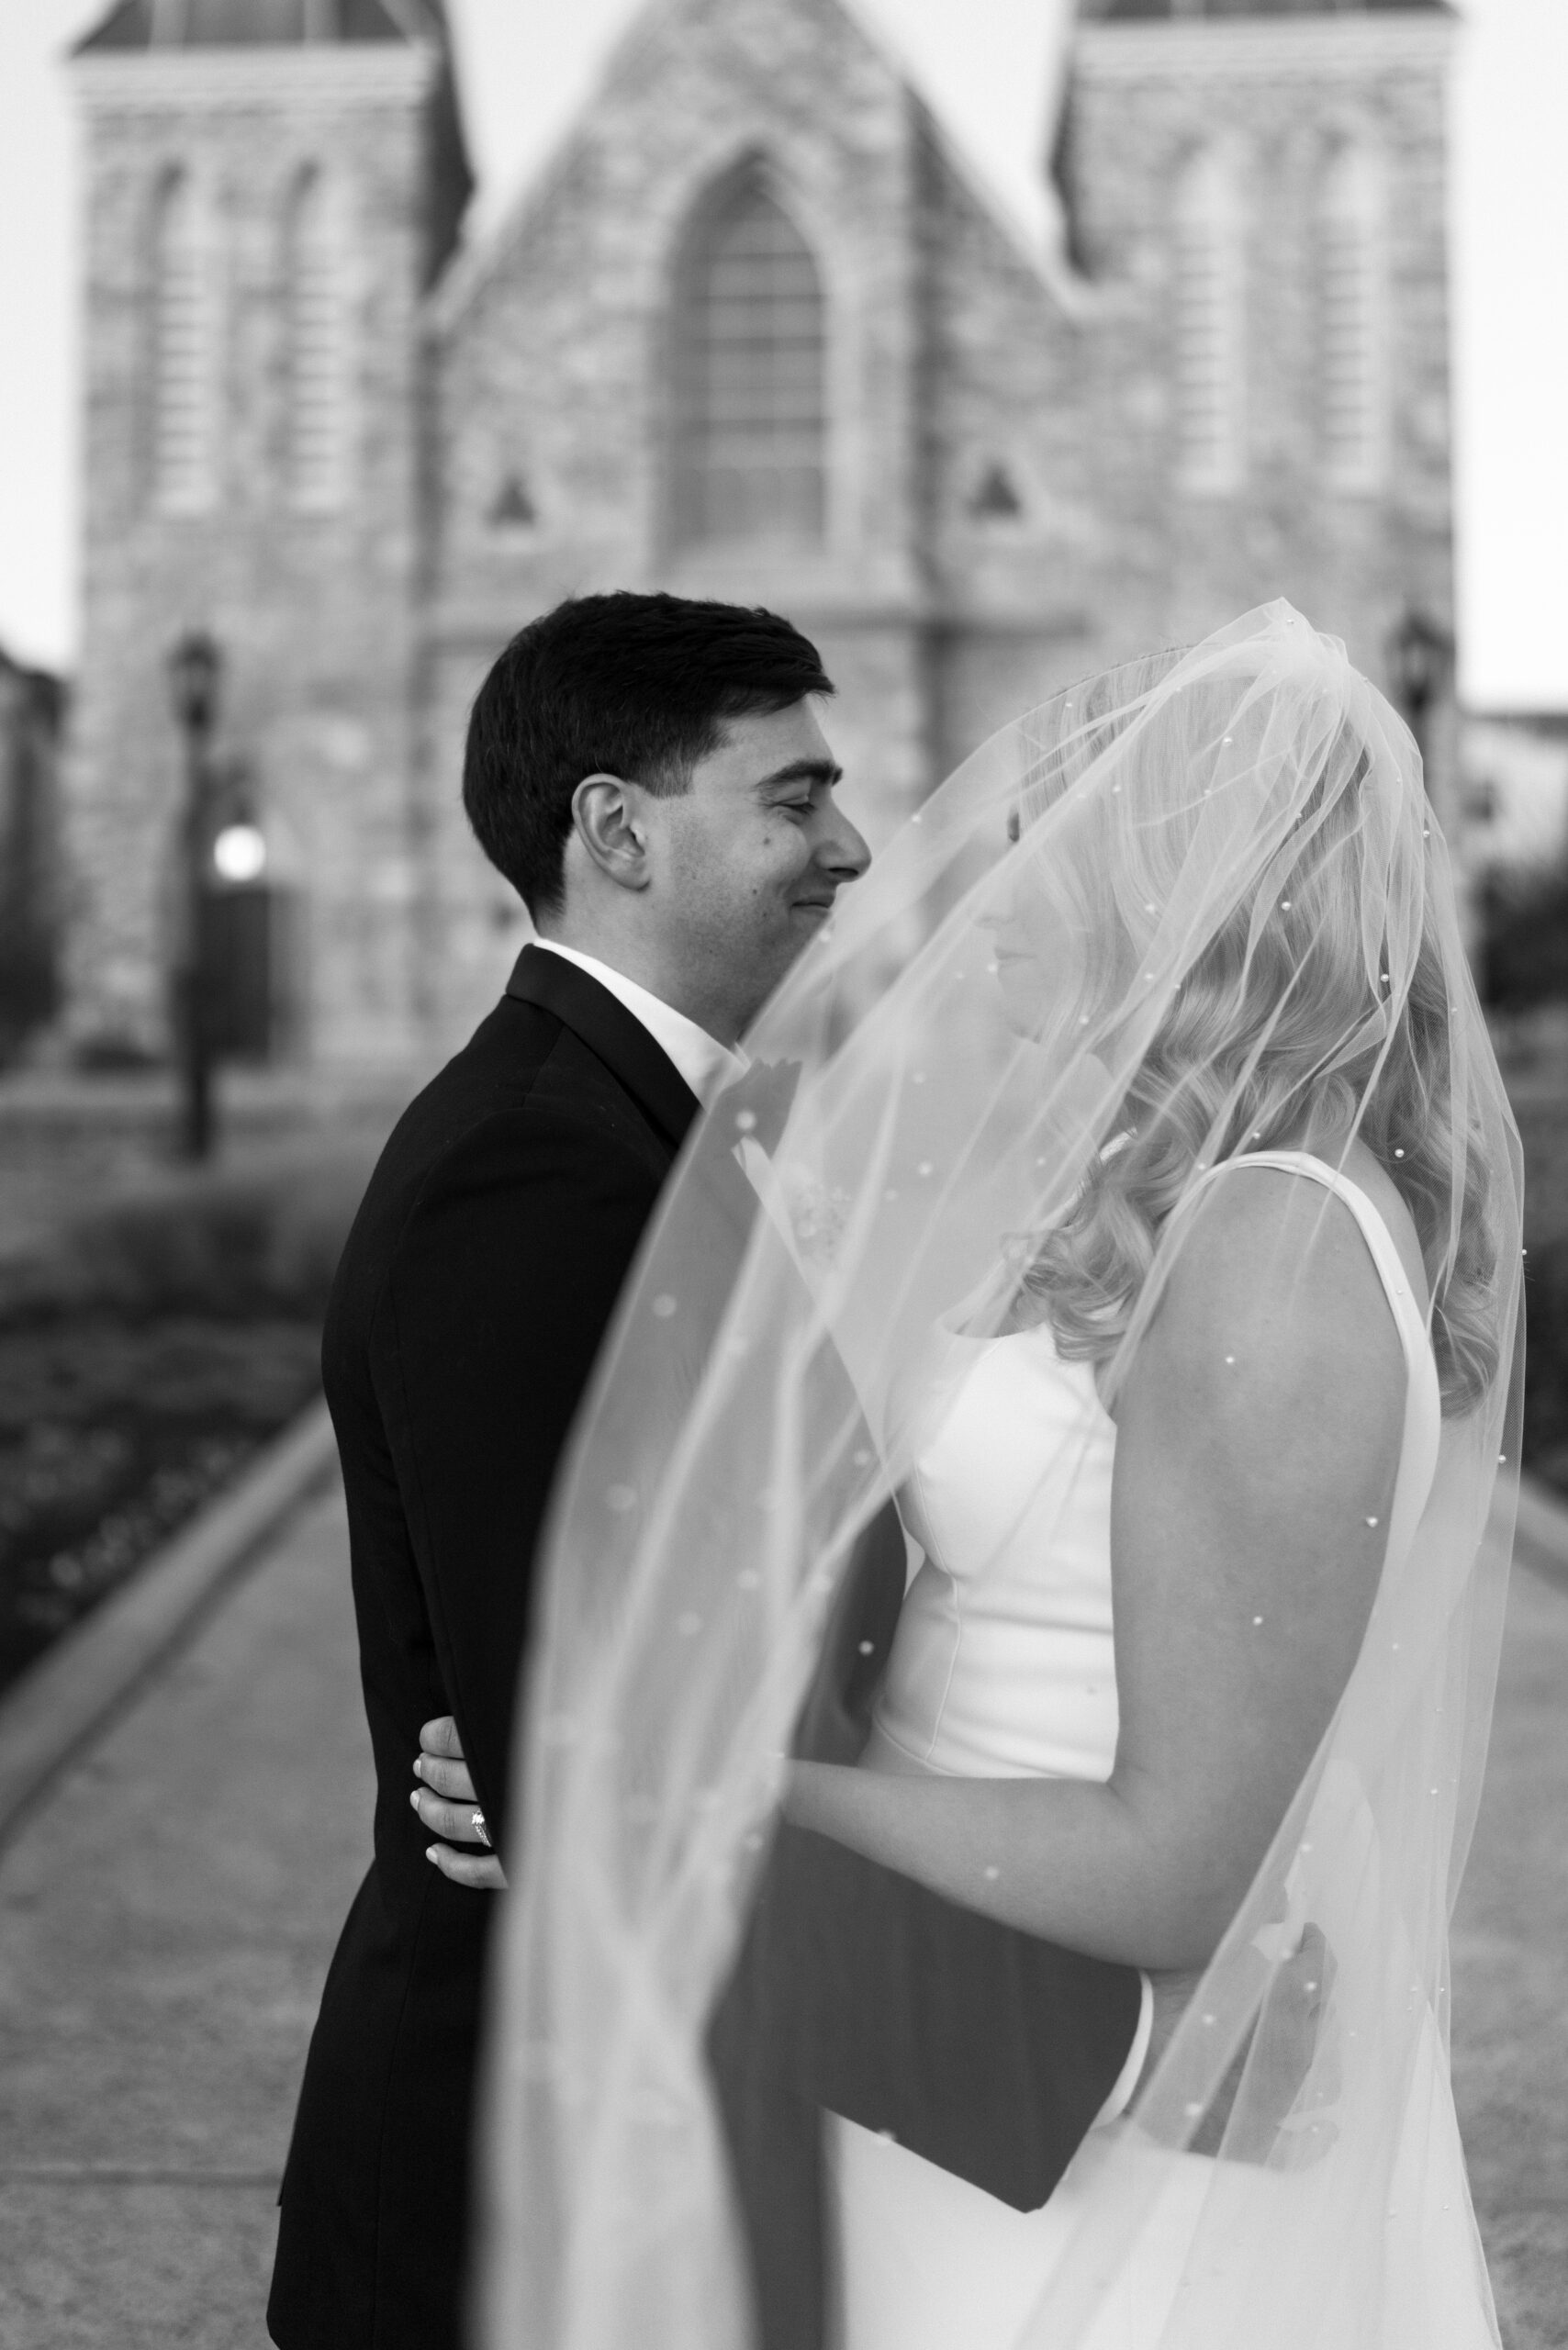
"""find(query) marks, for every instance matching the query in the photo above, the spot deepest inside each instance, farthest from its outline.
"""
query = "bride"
(1151, 1233)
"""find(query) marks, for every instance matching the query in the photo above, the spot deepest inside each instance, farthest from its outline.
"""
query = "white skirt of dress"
(1169, 2249)
(925, 2261)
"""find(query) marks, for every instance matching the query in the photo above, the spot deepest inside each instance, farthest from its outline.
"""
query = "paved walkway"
(1510, 1994)
(164, 1926)
(166, 1920)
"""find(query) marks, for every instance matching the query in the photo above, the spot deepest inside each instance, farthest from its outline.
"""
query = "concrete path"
(166, 1918)
(1510, 1967)
(165, 1924)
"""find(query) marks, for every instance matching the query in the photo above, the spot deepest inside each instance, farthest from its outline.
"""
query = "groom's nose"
(845, 852)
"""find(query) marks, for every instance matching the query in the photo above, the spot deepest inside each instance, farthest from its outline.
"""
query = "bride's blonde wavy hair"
(1289, 1010)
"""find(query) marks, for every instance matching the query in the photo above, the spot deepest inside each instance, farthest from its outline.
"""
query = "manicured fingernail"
(419, 1767)
(414, 1797)
(430, 1852)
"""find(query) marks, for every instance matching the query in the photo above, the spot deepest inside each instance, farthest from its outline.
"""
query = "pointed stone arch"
(318, 372)
(1352, 300)
(748, 371)
(1209, 322)
(185, 346)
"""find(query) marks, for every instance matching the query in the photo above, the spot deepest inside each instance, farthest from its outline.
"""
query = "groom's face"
(751, 856)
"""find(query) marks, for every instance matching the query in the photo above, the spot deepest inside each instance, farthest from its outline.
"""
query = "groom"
(650, 775)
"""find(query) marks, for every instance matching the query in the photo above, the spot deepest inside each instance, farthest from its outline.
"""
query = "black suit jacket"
(473, 1291)
(477, 1281)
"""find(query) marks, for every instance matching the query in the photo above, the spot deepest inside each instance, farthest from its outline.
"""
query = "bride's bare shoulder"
(1270, 1271)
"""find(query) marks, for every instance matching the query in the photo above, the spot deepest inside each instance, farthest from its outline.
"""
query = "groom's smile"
(750, 858)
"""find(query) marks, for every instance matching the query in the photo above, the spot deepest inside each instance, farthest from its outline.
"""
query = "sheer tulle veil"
(1158, 919)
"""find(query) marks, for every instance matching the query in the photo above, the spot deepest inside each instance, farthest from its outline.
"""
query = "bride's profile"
(1150, 1235)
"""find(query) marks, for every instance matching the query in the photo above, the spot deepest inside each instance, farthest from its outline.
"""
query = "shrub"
(1524, 920)
(141, 1360)
(1543, 1127)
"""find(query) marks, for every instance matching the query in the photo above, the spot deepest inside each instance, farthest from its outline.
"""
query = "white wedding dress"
(1004, 1666)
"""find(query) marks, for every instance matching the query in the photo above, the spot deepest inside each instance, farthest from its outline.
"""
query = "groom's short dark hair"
(628, 685)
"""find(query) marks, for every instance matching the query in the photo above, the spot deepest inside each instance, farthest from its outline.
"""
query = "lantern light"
(239, 853)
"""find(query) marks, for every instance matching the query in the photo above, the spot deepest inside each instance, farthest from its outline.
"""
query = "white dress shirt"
(704, 1062)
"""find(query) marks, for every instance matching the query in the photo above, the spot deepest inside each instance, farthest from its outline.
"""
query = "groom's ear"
(608, 820)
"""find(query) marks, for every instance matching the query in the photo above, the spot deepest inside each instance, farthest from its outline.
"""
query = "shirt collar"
(704, 1062)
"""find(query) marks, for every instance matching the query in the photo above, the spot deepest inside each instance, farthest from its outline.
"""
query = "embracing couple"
(1003, 1597)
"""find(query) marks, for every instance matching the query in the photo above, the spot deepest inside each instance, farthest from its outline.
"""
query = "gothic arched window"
(317, 365)
(1353, 299)
(750, 367)
(1209, 326)
(184, 350)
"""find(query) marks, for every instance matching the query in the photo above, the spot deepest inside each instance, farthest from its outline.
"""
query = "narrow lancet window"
(1353, 308)
(184, 350)
(1209, 326)
(318, 355)
(750, 397)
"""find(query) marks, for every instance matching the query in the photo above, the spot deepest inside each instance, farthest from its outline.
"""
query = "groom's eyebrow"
(812, 771)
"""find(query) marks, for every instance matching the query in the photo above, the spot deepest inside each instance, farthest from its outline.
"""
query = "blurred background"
(990, 339)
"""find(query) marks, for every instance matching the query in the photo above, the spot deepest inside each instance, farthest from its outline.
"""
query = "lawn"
(110, 1434)
(144, 1356)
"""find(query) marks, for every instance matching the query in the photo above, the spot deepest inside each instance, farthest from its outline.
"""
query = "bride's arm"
(1258, 1443)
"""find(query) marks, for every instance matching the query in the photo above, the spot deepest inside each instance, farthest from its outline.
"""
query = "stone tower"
(1258, 195)
(272, 185)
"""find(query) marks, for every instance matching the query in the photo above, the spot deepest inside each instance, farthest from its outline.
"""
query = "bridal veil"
(1235, 906)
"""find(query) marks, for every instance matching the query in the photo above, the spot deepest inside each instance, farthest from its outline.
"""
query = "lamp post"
(1420, 656)
(1420, 663)
(195, 665)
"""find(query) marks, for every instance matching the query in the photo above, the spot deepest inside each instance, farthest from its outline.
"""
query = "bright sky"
(989, 66)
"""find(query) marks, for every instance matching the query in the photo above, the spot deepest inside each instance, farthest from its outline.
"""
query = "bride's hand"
(1298, 2009)
(448, 1806)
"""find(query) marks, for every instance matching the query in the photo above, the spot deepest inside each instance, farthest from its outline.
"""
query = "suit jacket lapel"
(607, 1028)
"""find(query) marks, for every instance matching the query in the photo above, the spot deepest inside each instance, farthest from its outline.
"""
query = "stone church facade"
(755, 332)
